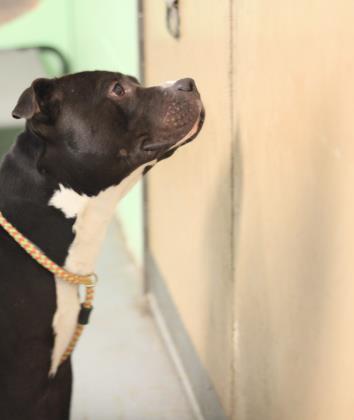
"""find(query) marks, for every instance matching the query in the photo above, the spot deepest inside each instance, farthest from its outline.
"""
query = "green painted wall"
(94, 35)
(48, 24)
(106, 37)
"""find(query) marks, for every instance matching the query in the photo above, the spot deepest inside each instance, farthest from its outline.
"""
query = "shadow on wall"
(221, 290)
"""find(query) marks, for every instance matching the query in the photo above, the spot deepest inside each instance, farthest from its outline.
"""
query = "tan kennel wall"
(251, 227)
(294, 230)
(189, 196)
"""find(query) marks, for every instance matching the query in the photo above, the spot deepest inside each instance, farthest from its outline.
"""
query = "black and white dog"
(88, 138)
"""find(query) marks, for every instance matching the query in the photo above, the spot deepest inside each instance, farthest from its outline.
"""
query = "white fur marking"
(92, 218)
(69, 201)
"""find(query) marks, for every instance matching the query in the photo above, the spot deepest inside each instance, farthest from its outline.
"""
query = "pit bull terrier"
(88, 138)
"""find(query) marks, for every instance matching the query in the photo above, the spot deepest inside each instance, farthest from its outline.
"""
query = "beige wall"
(294, 237)
(189, 200)
(280, 310)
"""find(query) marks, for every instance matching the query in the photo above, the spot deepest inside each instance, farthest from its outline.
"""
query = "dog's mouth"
(165, 146)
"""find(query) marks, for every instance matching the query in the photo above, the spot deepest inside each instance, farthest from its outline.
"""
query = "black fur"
(79, 134)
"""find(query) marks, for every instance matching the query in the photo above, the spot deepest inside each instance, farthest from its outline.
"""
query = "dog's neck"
(92, 216)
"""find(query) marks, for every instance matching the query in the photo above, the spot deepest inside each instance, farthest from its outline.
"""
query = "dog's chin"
(192, 134)
(167, 146)
(199, 124)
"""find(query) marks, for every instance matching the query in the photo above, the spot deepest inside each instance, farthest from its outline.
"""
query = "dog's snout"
(185, 85)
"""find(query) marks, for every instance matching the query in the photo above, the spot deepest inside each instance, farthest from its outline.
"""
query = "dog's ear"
(34, 99)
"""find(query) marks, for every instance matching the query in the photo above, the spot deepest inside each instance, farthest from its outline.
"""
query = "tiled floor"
(121, 368)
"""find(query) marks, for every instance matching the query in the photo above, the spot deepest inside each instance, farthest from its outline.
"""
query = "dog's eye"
(118, 89)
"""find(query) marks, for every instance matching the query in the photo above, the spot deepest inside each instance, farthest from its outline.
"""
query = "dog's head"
(98, 127)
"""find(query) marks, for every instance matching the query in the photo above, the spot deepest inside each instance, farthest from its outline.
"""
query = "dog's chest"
(92, 218)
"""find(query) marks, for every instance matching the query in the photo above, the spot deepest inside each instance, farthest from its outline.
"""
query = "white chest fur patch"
(92, 218)
(70, 202)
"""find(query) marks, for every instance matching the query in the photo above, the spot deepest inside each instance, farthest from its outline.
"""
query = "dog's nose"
(186, 85)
